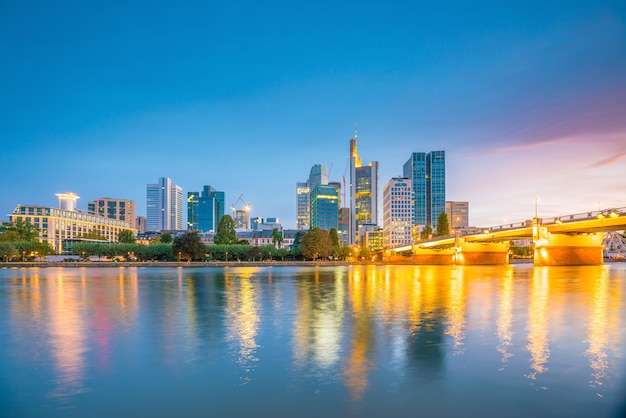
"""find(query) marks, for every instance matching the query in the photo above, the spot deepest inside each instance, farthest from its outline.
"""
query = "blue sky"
(528, 99)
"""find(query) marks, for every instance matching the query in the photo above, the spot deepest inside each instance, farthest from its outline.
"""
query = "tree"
(18, 231)
(7, 251)
(316, 243)
(443, 227)
(334, 239)
(226, 231)
(126, 236)
(166, 238)
(277, 238)
(188, 246)
(427, 232)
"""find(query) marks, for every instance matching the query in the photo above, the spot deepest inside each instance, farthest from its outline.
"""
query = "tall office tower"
(458, 214)
(120, 209)
(325, 207)
(436, 166)
(205, 209)
(398, 212)
(302, 205)
(363, 192)
(177, 207)
(164, 205)
(428, 175)
(318, 175)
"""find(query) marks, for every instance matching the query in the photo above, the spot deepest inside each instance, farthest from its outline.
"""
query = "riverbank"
(196, 264)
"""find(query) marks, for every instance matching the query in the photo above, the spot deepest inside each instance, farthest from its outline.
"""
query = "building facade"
(325, 207)
(164, 207)
(60, 227)
(120, 209)
(363, 192)
(398, 212)
(205, 209)
(428, 175)
(458, 214)
(302, 205)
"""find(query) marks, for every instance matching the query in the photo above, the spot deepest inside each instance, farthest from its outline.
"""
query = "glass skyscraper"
(325, 206)
(363, 192)
(427, 171)
(164, 206)
(205, 209)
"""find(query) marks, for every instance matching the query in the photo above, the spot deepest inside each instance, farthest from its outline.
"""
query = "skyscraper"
(302, 205)
(205, 209)
(398, 212)
(363, 192)
(325, 206)
(427, 172)
(164, 205)
(317, 175)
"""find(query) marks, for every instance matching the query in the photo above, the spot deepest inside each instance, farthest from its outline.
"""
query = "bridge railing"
(583, 216)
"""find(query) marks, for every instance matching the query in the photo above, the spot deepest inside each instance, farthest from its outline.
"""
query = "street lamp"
(536, 201)
(179, 255)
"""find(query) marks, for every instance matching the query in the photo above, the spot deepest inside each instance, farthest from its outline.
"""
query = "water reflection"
(67, 335)
(538, 322)
(363, 333)
(505, 318)
(242, 318)
(603, 324)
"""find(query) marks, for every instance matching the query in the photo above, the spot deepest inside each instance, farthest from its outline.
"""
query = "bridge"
(576, 239)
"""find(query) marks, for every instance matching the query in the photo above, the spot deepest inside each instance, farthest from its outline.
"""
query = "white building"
(61, 227)
(164, 206)
(398, 212)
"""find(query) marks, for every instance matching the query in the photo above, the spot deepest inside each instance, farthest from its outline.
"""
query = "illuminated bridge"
(576, 239)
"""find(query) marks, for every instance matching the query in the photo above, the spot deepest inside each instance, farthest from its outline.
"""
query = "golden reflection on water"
(505, 318)
(242, 318)
(67, 331)
(456, 311)
(603, 325)
(537, 325)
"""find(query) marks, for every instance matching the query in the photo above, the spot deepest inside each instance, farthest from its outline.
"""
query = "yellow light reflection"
(537, 322)
(505, 318)
(456, 311)
(67, 336)
(598, 329)
(243, 320)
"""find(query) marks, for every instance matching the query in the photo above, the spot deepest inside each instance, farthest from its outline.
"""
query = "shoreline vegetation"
(196, 264)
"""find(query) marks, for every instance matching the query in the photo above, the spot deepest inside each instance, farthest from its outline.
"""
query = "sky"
(528, 99)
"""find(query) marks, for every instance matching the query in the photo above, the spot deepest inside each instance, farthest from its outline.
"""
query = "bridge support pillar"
(423, 256)
(477, 253)
(566, 249)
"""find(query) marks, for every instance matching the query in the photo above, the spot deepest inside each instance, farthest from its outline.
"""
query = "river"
(340, 341)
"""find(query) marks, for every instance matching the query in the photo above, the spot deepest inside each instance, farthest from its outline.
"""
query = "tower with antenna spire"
(363, 191)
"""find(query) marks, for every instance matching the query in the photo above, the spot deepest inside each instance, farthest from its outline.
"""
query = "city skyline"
(248, 97)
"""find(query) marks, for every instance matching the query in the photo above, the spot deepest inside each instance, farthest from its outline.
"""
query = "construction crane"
(240, 199)
(241, 222)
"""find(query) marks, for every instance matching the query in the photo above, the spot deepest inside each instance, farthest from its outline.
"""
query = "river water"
(361, 341)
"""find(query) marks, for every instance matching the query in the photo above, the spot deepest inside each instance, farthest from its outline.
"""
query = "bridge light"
(600, 216)
(613, 214)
